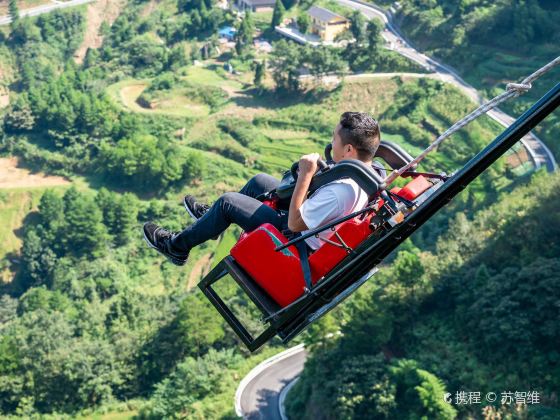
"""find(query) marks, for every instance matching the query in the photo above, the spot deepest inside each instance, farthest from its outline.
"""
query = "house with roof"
(326, 24)
(255, 5)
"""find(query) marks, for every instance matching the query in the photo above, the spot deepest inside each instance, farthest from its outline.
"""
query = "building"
(326, 24)
(255, 5)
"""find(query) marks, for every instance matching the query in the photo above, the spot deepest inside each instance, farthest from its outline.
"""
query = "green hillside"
(478, 314)
(490, 44)
(93, 322)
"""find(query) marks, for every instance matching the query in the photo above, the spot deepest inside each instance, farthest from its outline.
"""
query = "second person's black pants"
(240, 208)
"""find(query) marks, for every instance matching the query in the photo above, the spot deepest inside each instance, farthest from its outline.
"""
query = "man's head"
(355, 137)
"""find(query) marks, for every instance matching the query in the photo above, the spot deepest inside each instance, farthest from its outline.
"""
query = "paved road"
(56, 4)
(258, 394)
(537, 150)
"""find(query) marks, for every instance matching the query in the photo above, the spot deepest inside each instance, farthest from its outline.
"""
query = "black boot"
(160, 239)
(195, 209)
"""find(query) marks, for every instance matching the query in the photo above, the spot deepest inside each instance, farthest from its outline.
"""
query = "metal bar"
(325, 227)
(228, 316)
(259, 297)
(262, 338)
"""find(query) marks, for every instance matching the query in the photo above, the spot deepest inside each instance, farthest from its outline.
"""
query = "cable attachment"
(519, 88)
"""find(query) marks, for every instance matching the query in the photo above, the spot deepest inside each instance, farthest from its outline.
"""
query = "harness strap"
(304, 260)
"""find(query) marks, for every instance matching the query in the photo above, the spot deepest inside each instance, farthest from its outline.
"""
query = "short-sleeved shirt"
(333, 200)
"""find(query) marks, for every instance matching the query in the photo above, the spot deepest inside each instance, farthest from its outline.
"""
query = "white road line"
(258, 369)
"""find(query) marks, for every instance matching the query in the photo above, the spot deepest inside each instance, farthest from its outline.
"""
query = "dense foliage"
(477, 314)
(94, 319)
(490, 43)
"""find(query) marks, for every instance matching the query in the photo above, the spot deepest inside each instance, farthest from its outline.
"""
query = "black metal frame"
(357, 267)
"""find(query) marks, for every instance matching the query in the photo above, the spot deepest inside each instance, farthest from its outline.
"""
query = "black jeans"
(240, 208)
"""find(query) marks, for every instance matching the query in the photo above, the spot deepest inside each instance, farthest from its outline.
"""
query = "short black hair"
(360, 130)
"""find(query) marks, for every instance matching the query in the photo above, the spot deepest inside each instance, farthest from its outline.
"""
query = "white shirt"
(333, 200)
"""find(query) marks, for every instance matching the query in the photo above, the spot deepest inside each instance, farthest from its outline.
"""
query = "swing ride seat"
(271, 270)
(274, 279)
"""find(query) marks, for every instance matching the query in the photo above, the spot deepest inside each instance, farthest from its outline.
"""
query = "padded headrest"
(393, 154)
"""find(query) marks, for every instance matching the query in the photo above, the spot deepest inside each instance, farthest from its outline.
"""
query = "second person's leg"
(230, 208)
(259, 184)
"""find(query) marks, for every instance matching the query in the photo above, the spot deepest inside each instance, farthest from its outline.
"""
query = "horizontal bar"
(323, 228)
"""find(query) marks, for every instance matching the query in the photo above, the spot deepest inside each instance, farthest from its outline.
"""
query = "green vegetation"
(94, 320)
(474, 314)
(168, 85)
(490, 43)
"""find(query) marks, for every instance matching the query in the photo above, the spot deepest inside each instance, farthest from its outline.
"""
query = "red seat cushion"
(353, 232)
(278, 273)
(414, 188)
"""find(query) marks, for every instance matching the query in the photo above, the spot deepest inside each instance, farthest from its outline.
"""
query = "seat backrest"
(365, 176)
(280, 273)
(353, 232)
(393, 154)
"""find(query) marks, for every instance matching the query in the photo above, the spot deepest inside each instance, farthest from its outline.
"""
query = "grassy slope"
(15, 205)
(489, 67)
(279, 148)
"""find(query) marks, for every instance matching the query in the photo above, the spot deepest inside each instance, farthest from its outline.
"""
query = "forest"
(94, 323)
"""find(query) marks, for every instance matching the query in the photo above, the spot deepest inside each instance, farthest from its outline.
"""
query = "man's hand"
(308, 164)
(307, 168)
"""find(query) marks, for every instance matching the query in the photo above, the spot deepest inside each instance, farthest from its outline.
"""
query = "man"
(355, 137)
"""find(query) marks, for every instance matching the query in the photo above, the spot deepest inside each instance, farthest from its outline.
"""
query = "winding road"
(259, 394)
(540, 154)
(55, 4)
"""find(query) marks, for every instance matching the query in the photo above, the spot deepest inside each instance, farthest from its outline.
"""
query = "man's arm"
(307, 168)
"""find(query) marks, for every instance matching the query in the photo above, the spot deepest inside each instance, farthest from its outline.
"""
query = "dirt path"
(129, 94)
(13, 177)
(97, 13)
(199, 270)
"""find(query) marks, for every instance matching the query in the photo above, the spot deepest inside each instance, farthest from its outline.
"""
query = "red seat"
(280, 273)
(413, 189)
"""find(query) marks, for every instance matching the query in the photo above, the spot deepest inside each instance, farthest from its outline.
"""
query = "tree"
(194, 379)
(51, 211)
(244, 35)
(196, 311)
(358, 27)
(373, 35)
(120, 214)
(303, 22)
(84, 232)
(259, 75)
(277, 14)
(13, 12)
(419, 393)
(324, 60)
(39, 260)
(286, 61)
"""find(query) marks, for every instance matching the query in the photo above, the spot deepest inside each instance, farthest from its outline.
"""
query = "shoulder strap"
(304, 260)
